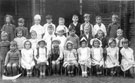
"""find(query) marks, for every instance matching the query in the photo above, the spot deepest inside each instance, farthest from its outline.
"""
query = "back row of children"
(81, 45)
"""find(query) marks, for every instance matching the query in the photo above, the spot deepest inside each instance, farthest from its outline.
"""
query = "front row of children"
(69, 58)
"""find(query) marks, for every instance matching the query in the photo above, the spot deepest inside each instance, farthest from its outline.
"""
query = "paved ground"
(77, 79)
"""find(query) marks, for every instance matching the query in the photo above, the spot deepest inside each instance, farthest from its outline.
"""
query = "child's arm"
(101, 54)
(117, 54)
(78, 45)
(19, 55)
(61, 55)
(7, 58)
(35, 54)
(81, 29)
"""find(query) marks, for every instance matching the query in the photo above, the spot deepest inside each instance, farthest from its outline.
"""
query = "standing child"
(41, 57)
(49, 22)
(62, 26)
(9, 27)
(12, 60)
(99, 26)
(20, 39)
(33, 40)
(27, 58)
(113, 27)
(70, 58)
(127, 62)
(73, 37)
(37, 27)
(84, 57)
(112, 62)
(87, 23)
(21, 27)
(97, 56)
(4, 48)
(56, 55)
(75, 24)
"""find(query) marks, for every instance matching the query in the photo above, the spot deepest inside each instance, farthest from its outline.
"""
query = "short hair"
(61, 18)
(99, 17)
(74, 15)
(71, 28)
(13, 43)
(119, 30)
(48, 17)
(21, 20)
(50, 27)
(115, 16)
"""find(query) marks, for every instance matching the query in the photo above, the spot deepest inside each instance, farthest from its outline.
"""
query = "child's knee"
(8, 65)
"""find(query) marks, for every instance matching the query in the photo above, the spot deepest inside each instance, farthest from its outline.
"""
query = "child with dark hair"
(21, 23)
(12, 60)
(9, 27)
(73, 37)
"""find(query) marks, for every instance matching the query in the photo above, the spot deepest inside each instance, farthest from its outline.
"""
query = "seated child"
(56, 55)
(84, 57)
(73, 37)
(12, 60)
(20, 39)
(62, 26)
(33, 40)
(27, 58)
(41, 57)
(127, 62)
(112, 62)
(97, 55)
(4, 48)
(70, 58)
(21, 27)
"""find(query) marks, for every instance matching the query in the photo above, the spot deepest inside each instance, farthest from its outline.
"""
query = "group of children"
(91, 48)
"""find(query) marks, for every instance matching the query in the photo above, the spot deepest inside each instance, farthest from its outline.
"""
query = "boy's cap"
(48, 17)
(42, 41)
(56, 40)
(37, 16)
(21, 20)
(124, 40)
(13, 43)
(86, 15)
(60, 28)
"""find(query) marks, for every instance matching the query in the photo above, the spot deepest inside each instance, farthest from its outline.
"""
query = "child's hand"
(53, 62)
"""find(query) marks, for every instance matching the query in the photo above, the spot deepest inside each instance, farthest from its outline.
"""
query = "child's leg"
(40, 69)
(9, 69)
(85, 70)
(72, 69)
(14, 69)
(57, 68)
(82, 68)
(68, 69)
(44, 69)
(53, 68)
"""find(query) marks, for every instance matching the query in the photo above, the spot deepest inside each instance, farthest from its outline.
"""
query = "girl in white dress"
(41, 57)
(84, 56)
(127, 62)
(112, 62)
(27, 58)
(97, 55)
(70, 58)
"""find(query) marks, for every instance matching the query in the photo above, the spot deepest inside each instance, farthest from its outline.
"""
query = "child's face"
(20, 24)
(75, 19)
(49, 21)
(50, 31)
(60, 33)
(55, 44)
(19, 34)
(113, 44)
(33, 35)
(119, 34)
(69, 46)
(8, 19)
(86, 19)
(37, 21)
(13, 47)
(100, 34)
(42, 44)
(61, 22)
(72, 32)
(125, 45)
(4, 38)
(83, 44)
(96, 44)
(98, 20)
(114, 20)
(27, 45)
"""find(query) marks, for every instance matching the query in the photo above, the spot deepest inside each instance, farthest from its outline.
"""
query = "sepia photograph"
(67, 41)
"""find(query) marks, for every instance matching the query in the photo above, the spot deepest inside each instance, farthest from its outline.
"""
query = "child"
(37, 27)
(21, 27)
(4, 48)
(62, 26)
(112, 62)
(70, 58)
(127, 62)
(12, 60)
(97, 55)
(84, 57)
(86, 23)
(75, 24)
(61, 37)
(20, 39)
(73, 37)
(9, 27)
(49, 22)
(49, 37)
(41, 57)
(56, 55)
(27, 58)
(99, 26)
(33, 39)
(113, 27)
